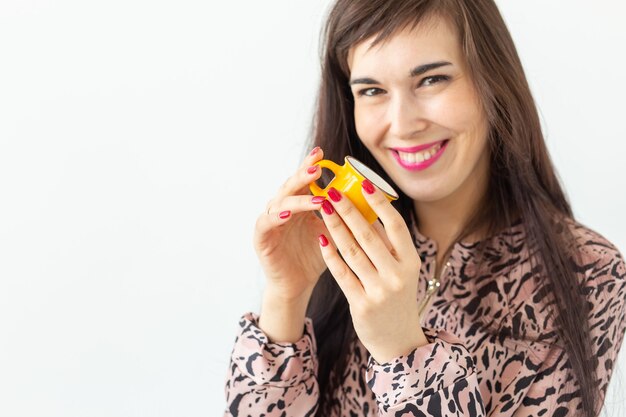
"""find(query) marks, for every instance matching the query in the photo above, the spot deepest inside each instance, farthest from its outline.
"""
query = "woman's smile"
(420, 158)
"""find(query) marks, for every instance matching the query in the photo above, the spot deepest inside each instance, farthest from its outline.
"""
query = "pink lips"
(418, 166)
(419, 147)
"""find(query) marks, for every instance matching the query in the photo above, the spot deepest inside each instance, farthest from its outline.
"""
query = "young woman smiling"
(477, 293)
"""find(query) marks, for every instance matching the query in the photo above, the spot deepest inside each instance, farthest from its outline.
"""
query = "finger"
(307, 172)
(394, 225)
(380, 229)
(295, 203)
(350, 250)
(345, 278)
(279, 212)
(315, 155)
(364, 233)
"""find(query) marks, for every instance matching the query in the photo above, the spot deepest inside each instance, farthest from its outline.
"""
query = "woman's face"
(416, 110)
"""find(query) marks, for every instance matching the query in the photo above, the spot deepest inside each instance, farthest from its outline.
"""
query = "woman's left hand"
(378, 274)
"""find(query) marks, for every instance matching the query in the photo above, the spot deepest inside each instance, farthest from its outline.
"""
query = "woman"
(477, 293)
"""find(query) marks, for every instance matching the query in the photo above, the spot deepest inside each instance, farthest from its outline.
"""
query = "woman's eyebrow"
(419, 70)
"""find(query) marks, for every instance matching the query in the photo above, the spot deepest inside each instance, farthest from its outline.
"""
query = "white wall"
(139, 141)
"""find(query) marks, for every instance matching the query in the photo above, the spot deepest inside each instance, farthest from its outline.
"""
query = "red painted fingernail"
(327, 207)
(312, 169)
(318, 199)
(284, 214)
(314, 151)
(367, 186)
(334, 194)
(323, 240)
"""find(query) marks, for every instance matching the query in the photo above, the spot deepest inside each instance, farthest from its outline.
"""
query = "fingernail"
(327, 207)
(318, 199)
(334, 194)
(367, 186)
(314, 151)
(312, 169)
(323, 240)
(284, 214)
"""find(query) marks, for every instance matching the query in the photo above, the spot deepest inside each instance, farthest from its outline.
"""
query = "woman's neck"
(444, 219)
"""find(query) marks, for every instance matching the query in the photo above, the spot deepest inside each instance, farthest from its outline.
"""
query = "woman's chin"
(423, 196)
(426, 192)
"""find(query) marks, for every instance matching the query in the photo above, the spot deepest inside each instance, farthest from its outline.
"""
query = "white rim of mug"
(375, 178)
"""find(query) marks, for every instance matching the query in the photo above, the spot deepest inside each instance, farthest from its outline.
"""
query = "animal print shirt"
(473, 365)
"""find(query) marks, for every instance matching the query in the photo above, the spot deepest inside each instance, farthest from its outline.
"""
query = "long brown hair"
(522, 182)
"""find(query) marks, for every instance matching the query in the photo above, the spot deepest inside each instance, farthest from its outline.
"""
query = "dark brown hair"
(522, 182)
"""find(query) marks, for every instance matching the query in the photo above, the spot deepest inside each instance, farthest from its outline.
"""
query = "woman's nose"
(406, 117)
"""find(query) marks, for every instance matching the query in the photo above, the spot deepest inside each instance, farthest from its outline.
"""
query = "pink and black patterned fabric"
(476, 363)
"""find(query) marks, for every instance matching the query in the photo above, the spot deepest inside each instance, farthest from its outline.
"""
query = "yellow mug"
(348, 180)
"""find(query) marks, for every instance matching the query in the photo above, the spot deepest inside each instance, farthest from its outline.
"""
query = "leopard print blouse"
(474, 366)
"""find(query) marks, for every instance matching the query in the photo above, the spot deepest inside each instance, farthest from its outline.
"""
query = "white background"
(140, 139)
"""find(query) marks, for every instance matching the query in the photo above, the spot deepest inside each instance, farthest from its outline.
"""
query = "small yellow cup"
(348, 180)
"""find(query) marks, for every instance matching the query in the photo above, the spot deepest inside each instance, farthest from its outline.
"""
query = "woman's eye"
(427, 81)
(369, 92)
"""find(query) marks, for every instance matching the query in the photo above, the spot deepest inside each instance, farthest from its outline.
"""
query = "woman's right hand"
(288, 248)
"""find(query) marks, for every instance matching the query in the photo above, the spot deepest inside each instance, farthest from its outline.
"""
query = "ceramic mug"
(348, 180)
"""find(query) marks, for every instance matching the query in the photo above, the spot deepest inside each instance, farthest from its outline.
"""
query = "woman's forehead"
(432, 40)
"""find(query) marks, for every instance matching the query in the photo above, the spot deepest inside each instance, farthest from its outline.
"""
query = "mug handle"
(324, 163)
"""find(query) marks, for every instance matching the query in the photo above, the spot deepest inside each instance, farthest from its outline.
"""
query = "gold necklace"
(433, 285)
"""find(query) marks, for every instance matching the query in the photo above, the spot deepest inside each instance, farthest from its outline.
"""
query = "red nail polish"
(327, 207)
(367, 186)
(312, 169)
(318, 199)
(284, 214)
(334, 194)
(314, 151)
(323, 240)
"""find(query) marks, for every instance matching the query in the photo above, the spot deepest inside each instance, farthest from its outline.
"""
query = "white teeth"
(419, 156)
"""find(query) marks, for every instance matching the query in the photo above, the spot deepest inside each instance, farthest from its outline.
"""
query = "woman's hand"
(378, 275)
(285, 237)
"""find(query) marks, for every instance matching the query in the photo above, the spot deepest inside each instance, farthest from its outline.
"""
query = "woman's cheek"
(369, 122)
(464, 106)
(441, 108)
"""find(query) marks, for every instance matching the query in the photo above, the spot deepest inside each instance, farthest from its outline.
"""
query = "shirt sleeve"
(435, 379)
(270, 379)
(553, 391)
